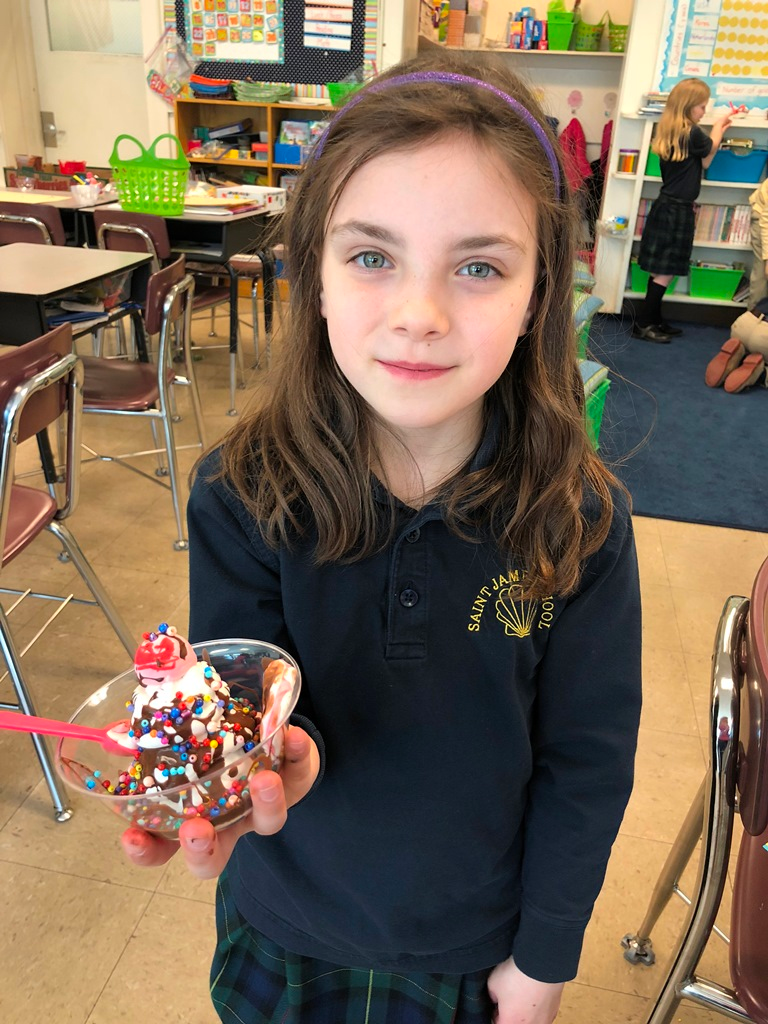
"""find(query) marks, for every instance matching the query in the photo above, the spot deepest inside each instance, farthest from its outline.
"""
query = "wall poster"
(724, 42)
(227, 30)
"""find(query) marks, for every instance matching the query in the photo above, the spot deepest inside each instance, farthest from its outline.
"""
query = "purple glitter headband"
(449, 78)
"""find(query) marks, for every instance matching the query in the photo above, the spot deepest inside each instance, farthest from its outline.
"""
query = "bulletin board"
(296, 51)
(723, 42)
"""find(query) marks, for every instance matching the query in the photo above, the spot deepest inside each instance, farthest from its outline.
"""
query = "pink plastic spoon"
(107, 737)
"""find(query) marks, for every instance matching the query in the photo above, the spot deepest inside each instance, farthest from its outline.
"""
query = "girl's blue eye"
(478, 269)
(371, 260)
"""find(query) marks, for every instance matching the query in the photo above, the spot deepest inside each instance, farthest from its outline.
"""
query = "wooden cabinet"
(265, 117)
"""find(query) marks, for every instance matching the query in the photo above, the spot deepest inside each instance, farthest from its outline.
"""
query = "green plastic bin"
(638, 279)
(559, 30)
(714, 282)
(594, 406)
(653, 167)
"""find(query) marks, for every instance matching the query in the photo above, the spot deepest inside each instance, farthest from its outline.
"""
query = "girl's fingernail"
(199, 845)
(269, 792)
(137, 849)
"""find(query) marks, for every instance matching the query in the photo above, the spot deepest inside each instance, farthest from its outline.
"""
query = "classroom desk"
(32, 274)
(213, 239)
(69, 207)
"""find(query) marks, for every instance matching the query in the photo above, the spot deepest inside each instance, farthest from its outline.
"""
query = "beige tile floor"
(81, 928)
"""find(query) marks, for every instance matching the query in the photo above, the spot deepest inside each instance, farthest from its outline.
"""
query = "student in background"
(684, 151)
(416, 513)
(758, 278)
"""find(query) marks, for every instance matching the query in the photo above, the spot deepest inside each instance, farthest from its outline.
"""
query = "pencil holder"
(149, 183)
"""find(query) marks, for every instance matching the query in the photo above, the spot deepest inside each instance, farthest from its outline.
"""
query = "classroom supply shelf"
(264, 117)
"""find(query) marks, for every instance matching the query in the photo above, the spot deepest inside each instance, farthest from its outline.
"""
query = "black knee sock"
(651, 313)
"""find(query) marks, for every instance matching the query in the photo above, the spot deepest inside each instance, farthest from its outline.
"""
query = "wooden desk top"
(45, 270)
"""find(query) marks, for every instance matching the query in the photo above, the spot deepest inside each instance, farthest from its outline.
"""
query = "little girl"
(415, 512)
(684, 151)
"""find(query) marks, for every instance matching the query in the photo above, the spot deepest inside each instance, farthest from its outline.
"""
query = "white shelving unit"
(624, 191)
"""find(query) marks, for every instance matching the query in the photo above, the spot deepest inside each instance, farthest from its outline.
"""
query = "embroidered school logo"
(516, 614)
(519, 617)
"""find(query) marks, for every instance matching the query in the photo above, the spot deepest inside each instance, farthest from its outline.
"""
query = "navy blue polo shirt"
(478, 748)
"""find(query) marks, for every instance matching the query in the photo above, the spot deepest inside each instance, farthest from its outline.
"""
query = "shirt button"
(413, 536)
(408, 598)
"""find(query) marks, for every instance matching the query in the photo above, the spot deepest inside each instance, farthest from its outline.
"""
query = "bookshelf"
(625, 191)
(264, 117)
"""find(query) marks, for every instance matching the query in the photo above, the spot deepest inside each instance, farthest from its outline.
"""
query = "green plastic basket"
(617, 36)
(341, 91)
(586, 36)
(150, 183)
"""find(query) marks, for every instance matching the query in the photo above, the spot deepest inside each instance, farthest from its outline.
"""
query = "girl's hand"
(206, 850)
(521, 1000)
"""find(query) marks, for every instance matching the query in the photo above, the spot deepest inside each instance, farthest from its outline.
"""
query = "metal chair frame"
(12, 218)
(161, 413)
(734, 783)
(66, 374)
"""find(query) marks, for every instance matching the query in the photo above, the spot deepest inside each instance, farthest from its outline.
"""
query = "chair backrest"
(132, 232)
(33, 222)
(39, 381)
(748, 950)
(160, 285)
(752, 778)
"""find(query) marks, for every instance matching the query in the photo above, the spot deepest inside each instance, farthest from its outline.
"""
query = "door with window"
(91, 78)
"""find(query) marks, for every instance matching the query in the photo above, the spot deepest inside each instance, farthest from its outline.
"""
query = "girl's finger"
(302, 763)
(145, 850)
(270, 809)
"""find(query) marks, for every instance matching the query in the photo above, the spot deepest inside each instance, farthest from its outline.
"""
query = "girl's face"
(428, 270)
(697, 112)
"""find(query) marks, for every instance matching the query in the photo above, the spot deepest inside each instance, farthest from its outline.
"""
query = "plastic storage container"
(715, 282)
(737, 165)
(559, 29)
(594, 408)
(652, 165)
(638, 279)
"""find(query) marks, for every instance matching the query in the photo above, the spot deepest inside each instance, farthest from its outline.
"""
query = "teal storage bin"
(737, 165)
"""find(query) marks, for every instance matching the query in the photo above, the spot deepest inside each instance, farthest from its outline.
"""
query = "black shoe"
(652, 333)
(673, 332)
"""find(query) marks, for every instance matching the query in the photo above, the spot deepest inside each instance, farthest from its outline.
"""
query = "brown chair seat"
(110, 383)
(30, 513)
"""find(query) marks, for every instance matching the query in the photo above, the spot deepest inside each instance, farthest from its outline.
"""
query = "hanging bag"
(149, 183)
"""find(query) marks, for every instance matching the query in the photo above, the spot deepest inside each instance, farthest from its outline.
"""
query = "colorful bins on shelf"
(149, 183)
(559, 29)
(617, 36)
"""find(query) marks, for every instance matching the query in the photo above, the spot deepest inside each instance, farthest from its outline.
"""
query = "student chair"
(144, 232)
(40, 382)
(736, 782)
(139, 389)
(37, 223)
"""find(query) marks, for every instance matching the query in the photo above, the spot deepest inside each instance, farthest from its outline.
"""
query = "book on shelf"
(237, 128)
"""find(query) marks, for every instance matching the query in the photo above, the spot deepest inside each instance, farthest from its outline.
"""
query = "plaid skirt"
(667, 241)
(255, 981)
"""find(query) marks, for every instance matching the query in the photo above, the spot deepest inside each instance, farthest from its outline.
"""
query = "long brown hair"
(303, 460)
(674, 128)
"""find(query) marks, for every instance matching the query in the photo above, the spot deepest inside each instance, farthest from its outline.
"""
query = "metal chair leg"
(639, 948)
(92, 581)
(13, 661)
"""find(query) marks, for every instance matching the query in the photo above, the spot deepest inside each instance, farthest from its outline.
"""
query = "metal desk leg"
(233, 331)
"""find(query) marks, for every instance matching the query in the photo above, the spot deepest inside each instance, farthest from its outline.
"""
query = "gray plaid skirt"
(667, 241)
(255, 981)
